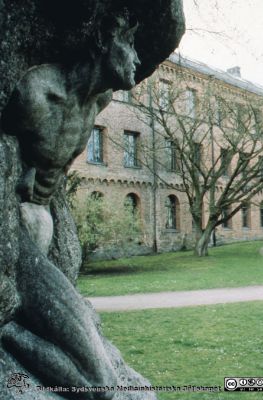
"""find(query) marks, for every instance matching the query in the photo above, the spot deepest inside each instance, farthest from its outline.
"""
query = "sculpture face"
(122, 60)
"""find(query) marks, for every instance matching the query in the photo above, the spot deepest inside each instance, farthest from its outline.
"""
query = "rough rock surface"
(36, 289)
(9, 226)
(65, 250)
(127, 376)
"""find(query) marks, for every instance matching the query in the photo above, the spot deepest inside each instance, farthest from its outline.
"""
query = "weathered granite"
(65, 249)
(80, 51)
(9, 226)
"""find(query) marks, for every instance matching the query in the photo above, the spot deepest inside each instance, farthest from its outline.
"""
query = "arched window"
(172, 212)
(132, 201)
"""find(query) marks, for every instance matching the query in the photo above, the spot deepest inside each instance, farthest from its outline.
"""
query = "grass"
(234, 265)
(191, 346)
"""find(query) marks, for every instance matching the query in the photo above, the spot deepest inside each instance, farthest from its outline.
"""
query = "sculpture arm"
(37, 98)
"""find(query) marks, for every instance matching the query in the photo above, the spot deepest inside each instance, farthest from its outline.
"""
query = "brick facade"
(115, 180)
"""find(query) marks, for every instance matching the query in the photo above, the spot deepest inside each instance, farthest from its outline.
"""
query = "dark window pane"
(171, 212)
(171, 155)
(131, 203)
(130, 149)
(94, 147)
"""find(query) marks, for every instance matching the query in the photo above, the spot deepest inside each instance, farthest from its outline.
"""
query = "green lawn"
(192, 346)
(232, 265)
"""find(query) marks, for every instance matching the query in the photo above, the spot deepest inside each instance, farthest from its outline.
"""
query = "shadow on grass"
(137, 268)
(118, 270)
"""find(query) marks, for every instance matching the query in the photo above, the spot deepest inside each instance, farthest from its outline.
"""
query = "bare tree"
(213, 145)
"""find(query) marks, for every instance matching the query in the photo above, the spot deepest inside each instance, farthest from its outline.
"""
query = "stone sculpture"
(61, 61)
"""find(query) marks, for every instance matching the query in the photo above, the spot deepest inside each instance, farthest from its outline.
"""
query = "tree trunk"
(202, 242)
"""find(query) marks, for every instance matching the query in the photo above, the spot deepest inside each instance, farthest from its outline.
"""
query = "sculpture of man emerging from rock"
(55, 109)
(51, 112)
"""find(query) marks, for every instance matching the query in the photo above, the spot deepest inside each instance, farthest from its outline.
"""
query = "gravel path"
(177, 299)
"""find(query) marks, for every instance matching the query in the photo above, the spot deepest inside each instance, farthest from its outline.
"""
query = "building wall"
(115, 180)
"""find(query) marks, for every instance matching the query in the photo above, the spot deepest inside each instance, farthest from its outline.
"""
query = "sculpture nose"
(136, 59)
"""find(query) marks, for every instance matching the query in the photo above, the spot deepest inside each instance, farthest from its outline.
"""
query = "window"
(225, 213)
(171, 155)
(131, 149)
(164, 94)
(95, 146)
(191, 103)
(225, 164)
(261, 214)
(126, 96)
(132, 202)
(172, 212)
(245, 216)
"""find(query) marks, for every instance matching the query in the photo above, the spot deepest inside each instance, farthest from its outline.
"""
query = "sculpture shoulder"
(34, 94)
(41, 81)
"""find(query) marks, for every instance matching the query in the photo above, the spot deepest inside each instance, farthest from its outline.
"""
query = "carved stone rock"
(59, 62)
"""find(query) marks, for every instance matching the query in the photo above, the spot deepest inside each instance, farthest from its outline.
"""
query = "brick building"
(111, 163)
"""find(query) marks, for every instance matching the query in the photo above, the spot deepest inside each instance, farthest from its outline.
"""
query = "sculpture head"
(107, 40)
(115, 41)
(121, 58)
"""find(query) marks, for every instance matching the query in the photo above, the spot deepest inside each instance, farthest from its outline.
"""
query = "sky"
(224, 34)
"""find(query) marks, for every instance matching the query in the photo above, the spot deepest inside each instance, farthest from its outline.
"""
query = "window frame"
(134, 153)
(171, 152)
(96, 160)
(132, 200)
(126, 96)
(172, 213)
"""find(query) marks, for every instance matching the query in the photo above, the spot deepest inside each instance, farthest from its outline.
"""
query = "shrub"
(100, 223)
